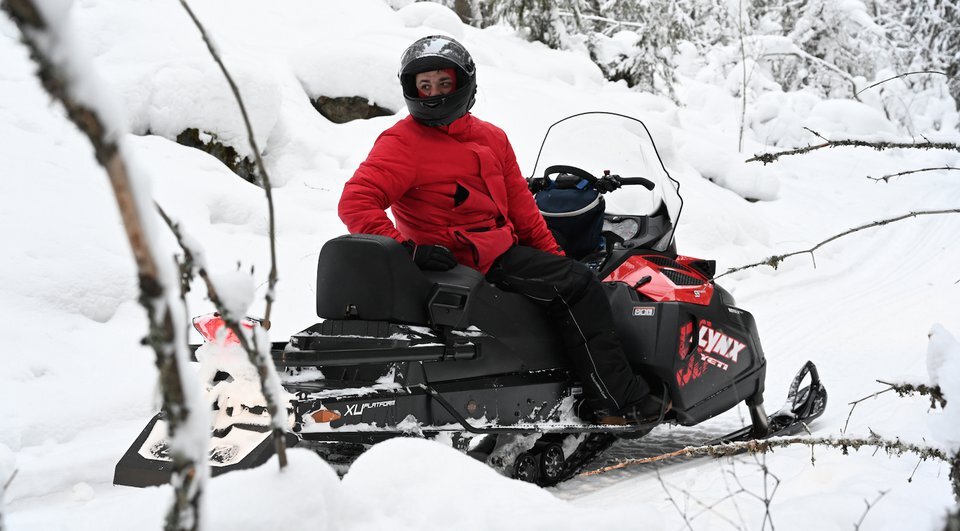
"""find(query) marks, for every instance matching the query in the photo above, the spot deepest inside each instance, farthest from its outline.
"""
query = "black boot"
(651, 409)
(591, 344)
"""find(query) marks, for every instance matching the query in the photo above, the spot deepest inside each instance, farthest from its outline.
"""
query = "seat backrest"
(372, 278)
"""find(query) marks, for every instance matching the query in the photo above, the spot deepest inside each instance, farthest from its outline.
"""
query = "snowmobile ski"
(801, 407)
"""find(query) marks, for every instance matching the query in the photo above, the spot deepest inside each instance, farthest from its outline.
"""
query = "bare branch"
(186, 476)
(256, 153)
(755, 446)
(3, 491)
(9, 481)
(853, 405)
(743, 86)
(609, 21)
(886, 178)
(899, 76)
(856, 526)
(768, 494)
(826, 64)
(711, 508)
(251, 348)
(774, 261)
(767, 158)
(683, 514)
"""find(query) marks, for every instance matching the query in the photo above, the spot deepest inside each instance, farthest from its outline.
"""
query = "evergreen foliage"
(836, 49)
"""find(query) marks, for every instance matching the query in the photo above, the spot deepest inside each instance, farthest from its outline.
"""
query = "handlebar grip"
(642, 181)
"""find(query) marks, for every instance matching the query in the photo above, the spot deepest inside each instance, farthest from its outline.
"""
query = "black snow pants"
(576, 302)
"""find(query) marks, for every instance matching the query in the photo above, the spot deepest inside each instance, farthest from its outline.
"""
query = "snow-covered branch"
(61, 68)
(907, 389)
(262, 361)
(903, 389)
(774, 261)
(767, 158)
(267, 187)
(845, 444)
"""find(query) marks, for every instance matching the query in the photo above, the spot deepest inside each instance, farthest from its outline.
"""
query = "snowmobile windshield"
(602, 141)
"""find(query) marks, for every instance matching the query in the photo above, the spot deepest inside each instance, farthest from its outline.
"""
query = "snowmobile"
(405, 352)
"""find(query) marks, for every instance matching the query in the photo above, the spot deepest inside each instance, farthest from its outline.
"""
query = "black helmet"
(434, 53)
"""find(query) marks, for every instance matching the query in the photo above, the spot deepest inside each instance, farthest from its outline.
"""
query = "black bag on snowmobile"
(573, 210)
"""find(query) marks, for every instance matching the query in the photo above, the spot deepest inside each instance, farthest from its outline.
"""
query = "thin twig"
(935, 393)
(828, 65)
(896, 447)
(9, 481)
(853, 405)
(711, 508)
(774, 261)
(743, 63)
(899, 76)
(232, 323)
(733, 499)
(256, 153)
(914, 472)
(767, 158)
(886, 178)
(682, 513)
(609, 21)
(856, 526)
(767, 495)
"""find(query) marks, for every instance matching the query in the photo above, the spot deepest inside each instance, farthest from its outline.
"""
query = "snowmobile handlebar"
(571, 177)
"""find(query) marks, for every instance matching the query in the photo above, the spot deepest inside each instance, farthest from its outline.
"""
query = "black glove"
(430, 257)
(536, 184)
(608, 183)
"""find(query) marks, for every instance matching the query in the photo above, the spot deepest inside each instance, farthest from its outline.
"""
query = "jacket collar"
(459, 127)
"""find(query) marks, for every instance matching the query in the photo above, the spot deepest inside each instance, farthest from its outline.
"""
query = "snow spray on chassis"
(404, 352)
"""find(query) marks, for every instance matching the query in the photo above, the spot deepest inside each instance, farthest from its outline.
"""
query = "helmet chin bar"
(433, 102)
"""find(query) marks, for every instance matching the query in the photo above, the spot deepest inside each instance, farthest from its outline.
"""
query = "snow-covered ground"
(76, 386)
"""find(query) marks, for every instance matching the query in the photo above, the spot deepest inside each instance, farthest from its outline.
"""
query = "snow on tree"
(67, 72)
(832, 48)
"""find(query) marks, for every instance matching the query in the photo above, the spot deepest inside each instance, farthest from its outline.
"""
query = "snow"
(236, 291)
(305, 495)
(406, 478)
(77, 386)
(943, 366)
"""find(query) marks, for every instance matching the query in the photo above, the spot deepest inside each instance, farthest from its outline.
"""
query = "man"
(458, 196)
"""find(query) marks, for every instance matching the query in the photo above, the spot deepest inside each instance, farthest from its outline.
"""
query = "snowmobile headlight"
(323, 415)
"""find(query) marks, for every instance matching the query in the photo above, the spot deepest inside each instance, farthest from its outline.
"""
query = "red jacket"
(458, 186)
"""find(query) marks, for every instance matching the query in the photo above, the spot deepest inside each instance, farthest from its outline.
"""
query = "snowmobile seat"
(460, 275)
(369, 277)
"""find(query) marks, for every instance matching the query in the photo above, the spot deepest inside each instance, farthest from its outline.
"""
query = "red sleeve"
(527, 221)
(387, 173)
